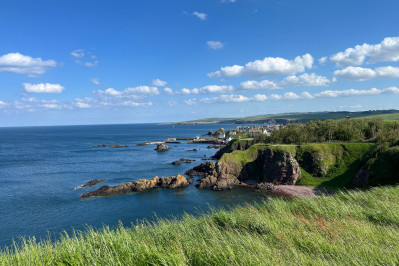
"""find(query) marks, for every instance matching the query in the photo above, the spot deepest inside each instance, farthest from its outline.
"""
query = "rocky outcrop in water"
(182, 160)
(138, 186)
(204, 169)
(110, 145)
(161, 147)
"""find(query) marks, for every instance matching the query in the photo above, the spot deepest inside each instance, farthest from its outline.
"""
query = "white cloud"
(43, 88)
(191, 102)
(159, 83)
(323, 60)
(386, 51)
(260, 98)
(306, 79)
(306, 95)
(168, 90)
(78, 53)
(311, 80)
(22, 64)
(269, 66)
(142, 90)
(84, 58)
(112, 91)
(357, 106)
(353, 92)
(216, 89)
(95, 81)
(360, 74)
(259, 85)
(201, 16)
(185, 91)
(215, 45)
(228, 1)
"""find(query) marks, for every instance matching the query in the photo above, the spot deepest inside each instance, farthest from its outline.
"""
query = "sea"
(41, 166)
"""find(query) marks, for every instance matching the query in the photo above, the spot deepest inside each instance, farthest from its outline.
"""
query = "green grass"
(349, 228)
(345, 161)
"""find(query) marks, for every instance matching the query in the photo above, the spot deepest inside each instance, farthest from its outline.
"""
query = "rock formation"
(137, 186)
(204, 169)
(162, 147)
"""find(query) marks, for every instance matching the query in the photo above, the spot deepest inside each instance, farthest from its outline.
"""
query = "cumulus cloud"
(159, 83)
(260, 97)
(259, 85)
(168, 90)
(306, 79)
(142, 90)
(360, 73)
(201, 16)
(216, 89)
(386, 51)
(215, 45)
(269, 66)
(310, 80)
(23, 64)
(228, 1)
(185, 91)
(43, 88)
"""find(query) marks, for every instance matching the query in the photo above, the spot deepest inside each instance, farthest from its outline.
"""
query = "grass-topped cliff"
(323, 164)
(349, 228)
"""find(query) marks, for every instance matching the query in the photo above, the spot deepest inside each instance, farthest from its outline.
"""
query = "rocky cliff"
(329, 165)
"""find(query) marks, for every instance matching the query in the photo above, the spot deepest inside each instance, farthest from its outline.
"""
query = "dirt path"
(300, 191)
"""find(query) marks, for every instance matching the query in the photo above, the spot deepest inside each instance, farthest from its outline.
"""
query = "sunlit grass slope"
(349, 228)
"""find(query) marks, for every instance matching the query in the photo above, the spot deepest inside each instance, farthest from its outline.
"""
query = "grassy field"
(299, 117)
(349, 228)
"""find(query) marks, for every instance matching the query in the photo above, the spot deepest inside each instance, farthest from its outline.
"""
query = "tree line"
(350, 130)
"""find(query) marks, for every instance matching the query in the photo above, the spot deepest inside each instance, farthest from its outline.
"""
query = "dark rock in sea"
(361, 178)
(118, 146)
(162, 147)
(193, 150)
(143, 143)
(110, 145)
(138, 186)
(204, 169)
(210, 133)
(93, 182)
(99, 145)
(182, 160)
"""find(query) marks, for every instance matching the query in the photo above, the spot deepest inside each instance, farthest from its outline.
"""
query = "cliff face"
(234, 145)
(330, 165)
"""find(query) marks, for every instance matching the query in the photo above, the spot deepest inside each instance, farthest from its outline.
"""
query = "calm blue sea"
(40, 166)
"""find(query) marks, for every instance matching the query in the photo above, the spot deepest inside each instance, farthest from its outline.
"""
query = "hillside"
(356, 228)
(298, 117)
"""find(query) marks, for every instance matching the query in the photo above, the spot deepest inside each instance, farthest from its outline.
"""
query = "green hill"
(298, 117)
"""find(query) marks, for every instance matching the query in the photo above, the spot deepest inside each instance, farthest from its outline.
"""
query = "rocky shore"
(138, 186)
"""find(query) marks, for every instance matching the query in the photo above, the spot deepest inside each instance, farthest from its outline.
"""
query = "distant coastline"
(293, 117)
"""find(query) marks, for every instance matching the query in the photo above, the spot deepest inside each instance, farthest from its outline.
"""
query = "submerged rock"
(93, 182)
(162, 147)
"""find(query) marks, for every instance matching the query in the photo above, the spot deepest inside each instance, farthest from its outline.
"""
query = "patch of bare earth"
(300, 191)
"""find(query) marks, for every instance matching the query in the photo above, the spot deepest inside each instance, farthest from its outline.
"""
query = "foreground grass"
(357, 227)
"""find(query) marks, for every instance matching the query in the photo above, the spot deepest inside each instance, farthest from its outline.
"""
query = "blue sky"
(99, 62)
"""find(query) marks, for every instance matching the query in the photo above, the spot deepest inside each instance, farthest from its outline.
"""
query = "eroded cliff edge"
(333, 165)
